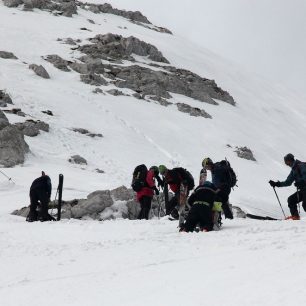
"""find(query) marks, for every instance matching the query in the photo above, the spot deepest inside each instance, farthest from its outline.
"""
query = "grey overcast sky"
(264, 36)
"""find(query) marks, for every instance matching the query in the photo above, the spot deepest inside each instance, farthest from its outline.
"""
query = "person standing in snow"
(174, 178)
(297, 175)
(146, 193)
(40, 193)
(222, 181)
(201, 202)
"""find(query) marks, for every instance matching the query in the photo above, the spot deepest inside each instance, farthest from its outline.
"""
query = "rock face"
(7, 55)
(159, 83)
(245, 153)
(192, 111)
(119, 48)
(32, 128)
(40, 71)
(108, 9)
(77, 159)
(59, 7)
(13, 147)
(58, 62)
(93, 79)
(5, 99)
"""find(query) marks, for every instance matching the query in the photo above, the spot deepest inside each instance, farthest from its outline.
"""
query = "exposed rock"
(98, 90)
(108, 9)
(133, 209)
(12, 3)
(79, 67)
(160, 83)
(58, 62)
(119, 48)
(5, 99)
(85, 29)
(13, 147)
(21, 114)
(96, 202)
(77, 159)
(59, 7)
(91, 21)
(13, 111)
(32, 128)
(70, 41)
(7, 55)
(86, 132)
(93, 79)
(192, 111)
(115, 92)
(40, 71)
(245, 152)
(47, 112)
(99, 171)
(122, 194)
(160, 100)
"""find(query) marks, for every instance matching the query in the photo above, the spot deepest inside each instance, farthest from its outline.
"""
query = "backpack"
(232, 177)
(139, 178)
(186, 175)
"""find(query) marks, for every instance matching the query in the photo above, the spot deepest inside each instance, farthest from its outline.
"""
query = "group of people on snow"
(205, 203)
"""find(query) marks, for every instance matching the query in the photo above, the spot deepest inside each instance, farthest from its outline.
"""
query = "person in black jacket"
(40, 193)
(201, 202)
(221, 179)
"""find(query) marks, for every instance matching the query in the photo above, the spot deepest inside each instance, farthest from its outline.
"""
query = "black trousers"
(294, 199)
(223, 196)
(37, 196)
(145, 204)
(172, 203)
(199, 214)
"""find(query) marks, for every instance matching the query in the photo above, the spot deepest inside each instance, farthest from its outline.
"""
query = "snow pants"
(294, 199)
(145, 204)
(223, 196)
(199, 214)
(36, 196)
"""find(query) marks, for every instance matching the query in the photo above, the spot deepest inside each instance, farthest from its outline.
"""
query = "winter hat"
(155, 169)
(162, 169)
(289, 157)
(206, 161)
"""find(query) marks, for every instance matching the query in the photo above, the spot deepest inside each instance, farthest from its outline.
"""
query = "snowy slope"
(134, 262)
(267, 119)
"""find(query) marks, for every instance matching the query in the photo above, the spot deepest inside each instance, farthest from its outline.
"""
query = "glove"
(299, 184)
(156, 191)
(272, 183)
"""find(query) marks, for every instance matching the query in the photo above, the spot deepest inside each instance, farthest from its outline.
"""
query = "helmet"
(206, 161)
(162, 169)
(289, 157)
(155, 170)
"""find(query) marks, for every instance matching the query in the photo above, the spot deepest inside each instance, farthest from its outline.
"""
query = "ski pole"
(9, 178)
(279, 202)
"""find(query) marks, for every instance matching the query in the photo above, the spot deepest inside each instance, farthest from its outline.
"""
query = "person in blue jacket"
(298, 176)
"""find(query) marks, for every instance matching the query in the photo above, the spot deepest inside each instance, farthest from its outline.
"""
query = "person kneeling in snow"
(40, 193)
(201, 202)
(297, 175)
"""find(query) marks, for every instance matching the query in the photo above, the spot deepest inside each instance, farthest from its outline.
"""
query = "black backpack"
(231, 175)
(186, 175)
(139, 178)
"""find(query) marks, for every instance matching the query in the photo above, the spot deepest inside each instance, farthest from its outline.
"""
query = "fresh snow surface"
(137, 262)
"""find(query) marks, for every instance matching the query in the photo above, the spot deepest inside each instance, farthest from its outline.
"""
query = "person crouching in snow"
(297, 175)
(201, 202)
(145, 194)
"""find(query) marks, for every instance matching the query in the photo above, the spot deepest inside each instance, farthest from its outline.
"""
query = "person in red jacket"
(145, 195)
